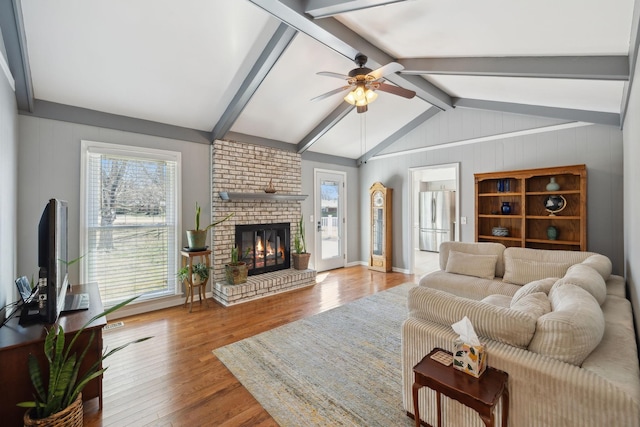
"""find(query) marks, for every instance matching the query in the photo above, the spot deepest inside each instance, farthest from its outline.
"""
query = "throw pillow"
(573, 329)
(600, 263)
(476, 248)
(535, 304)
(483, 266)
(521, 271)
(588, 279)
(498, 300)
(543, 285)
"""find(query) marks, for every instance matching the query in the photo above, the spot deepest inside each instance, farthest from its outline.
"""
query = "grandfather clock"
(380, 242)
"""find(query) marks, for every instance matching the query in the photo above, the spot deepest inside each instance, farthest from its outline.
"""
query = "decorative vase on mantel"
(553, 185)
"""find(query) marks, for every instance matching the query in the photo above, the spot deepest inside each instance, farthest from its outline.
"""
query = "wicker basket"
(71, 416)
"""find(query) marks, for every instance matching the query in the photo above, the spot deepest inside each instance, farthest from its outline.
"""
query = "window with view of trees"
(130, 228)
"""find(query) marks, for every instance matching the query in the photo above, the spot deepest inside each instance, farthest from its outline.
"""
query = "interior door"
(330, 217)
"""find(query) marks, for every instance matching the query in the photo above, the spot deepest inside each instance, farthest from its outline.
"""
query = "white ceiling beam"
(598, 117)
(346, 42)
(279, 42)
(555, 67)
(325, 8)
(398, 134)
(15, 42)
(324, 126)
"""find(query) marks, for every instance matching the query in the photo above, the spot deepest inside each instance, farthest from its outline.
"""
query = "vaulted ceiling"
(247, 69)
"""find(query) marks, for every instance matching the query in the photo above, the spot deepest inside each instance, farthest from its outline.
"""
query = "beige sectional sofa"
(557, 321)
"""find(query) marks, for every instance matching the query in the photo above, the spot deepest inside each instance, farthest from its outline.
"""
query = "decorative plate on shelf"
(554, 204)
(500, 231)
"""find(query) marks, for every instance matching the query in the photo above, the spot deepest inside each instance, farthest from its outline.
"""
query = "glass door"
(330, 219)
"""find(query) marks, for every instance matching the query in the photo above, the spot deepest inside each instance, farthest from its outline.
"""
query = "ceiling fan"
(363, 82)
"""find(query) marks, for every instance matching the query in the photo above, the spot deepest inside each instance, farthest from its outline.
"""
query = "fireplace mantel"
(228, 196)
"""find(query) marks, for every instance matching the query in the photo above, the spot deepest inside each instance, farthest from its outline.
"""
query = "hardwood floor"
(175, 380)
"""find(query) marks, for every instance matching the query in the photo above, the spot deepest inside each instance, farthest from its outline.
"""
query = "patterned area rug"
(337, 368)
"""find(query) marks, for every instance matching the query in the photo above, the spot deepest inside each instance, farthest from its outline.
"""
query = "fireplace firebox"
(264, 247)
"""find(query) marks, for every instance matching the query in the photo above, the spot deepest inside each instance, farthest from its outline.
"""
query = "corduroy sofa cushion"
(588, 279)
(542, 285)
(498, 323)
(524, 265)
(483, 266)
(484, 248)
(573, 329)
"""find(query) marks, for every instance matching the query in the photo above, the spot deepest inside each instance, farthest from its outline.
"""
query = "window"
(129, 221)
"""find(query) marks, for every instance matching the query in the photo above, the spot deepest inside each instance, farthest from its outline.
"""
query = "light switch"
(463, 220)
(311, 219)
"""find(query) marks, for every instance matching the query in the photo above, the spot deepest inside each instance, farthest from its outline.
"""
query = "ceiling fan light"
(371, 95)
(350, 98)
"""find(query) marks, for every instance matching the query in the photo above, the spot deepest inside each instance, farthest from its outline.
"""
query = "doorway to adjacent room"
(434, 213)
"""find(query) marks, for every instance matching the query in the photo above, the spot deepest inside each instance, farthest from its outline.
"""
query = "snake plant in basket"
(60, 385)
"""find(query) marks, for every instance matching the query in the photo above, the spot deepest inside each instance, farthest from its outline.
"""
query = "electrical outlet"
(463, 220)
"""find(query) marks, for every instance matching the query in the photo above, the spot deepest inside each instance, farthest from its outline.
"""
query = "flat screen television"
(53, 259)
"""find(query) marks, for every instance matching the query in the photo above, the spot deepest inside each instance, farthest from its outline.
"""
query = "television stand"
(18, 341)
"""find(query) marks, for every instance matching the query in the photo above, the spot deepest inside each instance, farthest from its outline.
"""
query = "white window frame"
(94, 147)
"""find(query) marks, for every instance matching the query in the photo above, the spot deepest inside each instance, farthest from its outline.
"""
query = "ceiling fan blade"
(330, 93)
(396, 90)
(332, 74)
(391, 67)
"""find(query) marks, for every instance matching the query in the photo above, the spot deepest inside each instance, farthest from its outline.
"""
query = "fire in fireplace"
(264, 247)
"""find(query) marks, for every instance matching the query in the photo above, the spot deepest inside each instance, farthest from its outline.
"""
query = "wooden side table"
(480, 394)
(189, 258)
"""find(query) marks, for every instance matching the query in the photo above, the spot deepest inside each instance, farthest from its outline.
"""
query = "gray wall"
(632, 199)
(49, 160)
(353, 207)
(599, 147)
(8, 186)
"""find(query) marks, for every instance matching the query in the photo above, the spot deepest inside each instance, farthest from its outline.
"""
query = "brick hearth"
(263, 285)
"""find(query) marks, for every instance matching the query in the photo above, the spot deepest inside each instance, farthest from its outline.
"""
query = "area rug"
(337, 368)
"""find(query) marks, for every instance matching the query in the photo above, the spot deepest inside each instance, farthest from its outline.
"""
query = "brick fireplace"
(247, 168)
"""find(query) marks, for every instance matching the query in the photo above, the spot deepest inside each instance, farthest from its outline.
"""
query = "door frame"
(414, 189)
(343, 205)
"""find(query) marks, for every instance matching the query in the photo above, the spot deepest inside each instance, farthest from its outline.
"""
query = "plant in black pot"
(197, 238)
(300, 256)
(58, 386)
(236, 270)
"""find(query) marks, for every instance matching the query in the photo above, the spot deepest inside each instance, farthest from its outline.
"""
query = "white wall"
(8, 183)
(49, 166)
(599, 147)
(632, 199)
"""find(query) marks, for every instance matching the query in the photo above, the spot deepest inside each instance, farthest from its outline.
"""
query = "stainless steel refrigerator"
(437, 213)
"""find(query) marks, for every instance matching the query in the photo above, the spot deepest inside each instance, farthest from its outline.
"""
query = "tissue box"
(471, 359)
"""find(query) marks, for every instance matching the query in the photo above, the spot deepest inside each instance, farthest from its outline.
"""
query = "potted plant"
(199, 273)
(236, 270)
(300, 256)
(58, 387)
(197, 238)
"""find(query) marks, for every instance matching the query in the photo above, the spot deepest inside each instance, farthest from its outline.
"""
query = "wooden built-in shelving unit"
(528, 221)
